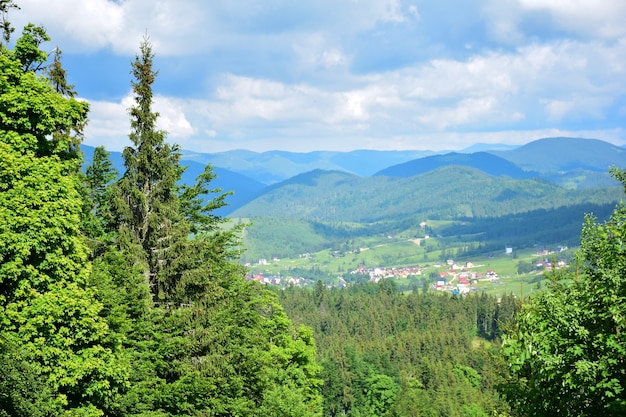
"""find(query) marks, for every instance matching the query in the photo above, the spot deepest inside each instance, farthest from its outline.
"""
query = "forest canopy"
(121, 297)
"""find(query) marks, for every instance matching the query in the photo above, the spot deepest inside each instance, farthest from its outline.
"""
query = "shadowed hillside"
(486, 162)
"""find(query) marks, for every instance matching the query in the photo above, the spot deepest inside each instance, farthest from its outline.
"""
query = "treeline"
(288, 237)
(386, 353)
(543, 226)
(285, 237)
(124, 297)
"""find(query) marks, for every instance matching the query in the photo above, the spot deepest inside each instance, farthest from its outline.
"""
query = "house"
(491, 275)
(463, 289)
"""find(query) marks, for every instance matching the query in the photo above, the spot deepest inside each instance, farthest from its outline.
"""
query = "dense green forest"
(123, 295)
(288, 237)
(121, 298)
(385, 353)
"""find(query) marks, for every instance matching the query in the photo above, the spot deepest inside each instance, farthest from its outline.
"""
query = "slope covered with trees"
(386, 353)
(450, 192)
(121, 297)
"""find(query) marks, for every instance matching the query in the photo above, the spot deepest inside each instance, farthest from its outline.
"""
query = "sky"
(339, 75)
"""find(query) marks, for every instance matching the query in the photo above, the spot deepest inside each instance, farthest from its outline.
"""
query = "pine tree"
(97, 218)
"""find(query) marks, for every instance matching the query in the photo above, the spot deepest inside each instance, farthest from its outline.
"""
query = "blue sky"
(348, 74)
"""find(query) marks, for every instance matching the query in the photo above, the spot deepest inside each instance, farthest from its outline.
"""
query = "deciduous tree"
(46, 308)
(567, 351)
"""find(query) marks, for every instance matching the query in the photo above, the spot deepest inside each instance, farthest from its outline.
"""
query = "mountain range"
(566, 163)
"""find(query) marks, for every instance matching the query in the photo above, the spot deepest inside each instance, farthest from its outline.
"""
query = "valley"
(433, 262)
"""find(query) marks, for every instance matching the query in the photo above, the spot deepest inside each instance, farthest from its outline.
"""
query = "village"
(450, 276)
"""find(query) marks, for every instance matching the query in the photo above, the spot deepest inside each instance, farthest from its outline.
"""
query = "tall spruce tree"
(50, 324)
(97, 220)
(203, 341)
(147, 202)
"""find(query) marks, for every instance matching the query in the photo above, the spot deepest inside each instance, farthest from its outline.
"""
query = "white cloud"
(543, 84)
(277, 73)
(174, 27)
(316, 51)
(172, 118)
(108, 120)
(603, 18)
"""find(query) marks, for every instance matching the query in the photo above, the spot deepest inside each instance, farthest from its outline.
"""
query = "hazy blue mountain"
(486, 162)
(274, 166)
(244, 188)
(486, 147)
(572, 163)
(552, 155)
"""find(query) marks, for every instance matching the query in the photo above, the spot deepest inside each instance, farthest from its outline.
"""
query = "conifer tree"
(146, 200)
(97, 221)
(206, 342)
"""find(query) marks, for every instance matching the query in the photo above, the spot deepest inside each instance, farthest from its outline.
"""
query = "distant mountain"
(569, 162)
(486, 147)
(244, 188)
(486, 162)
(448, 192)
(275, 166)
(558, 155)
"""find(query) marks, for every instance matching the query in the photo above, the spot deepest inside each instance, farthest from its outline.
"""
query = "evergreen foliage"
(122, 298)
(386, 353)
(203, 341)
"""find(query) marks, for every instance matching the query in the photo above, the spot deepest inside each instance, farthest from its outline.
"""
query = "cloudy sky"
(303, 75)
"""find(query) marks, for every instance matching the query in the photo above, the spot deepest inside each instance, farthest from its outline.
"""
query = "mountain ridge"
(446, 192)
(575, 163)
(486, 162)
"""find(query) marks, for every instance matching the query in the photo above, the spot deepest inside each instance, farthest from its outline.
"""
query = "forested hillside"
(385, 353)
(450, 192)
